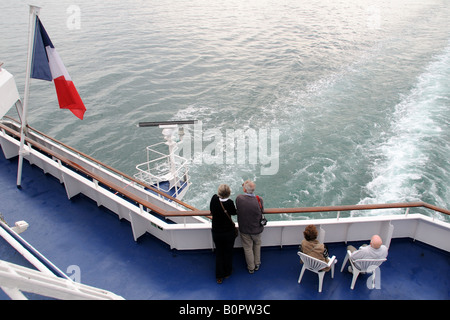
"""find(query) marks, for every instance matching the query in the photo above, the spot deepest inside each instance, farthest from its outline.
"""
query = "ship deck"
(78, 232)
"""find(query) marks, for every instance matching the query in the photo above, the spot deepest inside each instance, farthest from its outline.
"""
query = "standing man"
(249, 211)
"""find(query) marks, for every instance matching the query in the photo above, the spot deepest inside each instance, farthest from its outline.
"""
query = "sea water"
(358, 92)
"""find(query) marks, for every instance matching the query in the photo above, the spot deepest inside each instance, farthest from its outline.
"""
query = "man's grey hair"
(249, 186)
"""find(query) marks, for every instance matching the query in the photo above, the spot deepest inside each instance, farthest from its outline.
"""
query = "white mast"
(34, 12)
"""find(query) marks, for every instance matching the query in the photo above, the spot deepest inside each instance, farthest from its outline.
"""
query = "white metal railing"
(28, 252)
(15, 279)
(197, 234)
(164, 171)
(47, 280)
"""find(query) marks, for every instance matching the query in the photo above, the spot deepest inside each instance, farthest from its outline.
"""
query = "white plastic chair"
(315, 265)
(362, 266)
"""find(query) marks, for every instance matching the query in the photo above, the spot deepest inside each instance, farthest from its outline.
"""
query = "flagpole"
(34, 12)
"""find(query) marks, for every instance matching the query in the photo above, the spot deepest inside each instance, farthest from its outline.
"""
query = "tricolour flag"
(47, 65)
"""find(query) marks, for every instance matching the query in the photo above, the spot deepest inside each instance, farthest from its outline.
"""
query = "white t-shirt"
(368, 252)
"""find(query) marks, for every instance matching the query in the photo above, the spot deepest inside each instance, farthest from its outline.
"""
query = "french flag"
(47, 65)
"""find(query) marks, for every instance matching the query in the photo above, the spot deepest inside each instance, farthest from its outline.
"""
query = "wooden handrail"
(195, 212)
(359, 207)
(94, 176)
(12, 131)
(324, 209)
(118, 172)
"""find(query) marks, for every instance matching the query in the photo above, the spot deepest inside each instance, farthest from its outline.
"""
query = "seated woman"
(311, 246)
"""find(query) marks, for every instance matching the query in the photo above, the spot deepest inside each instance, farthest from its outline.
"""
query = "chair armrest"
(349, 254)
(331, 261)
(346, 259)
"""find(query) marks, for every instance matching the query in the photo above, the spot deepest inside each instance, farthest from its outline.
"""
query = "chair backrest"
(312, 263)
(367, 265)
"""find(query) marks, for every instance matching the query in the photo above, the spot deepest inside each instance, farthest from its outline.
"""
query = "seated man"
(376, 250)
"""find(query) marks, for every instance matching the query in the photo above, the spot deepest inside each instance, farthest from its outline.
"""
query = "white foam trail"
(419, 143)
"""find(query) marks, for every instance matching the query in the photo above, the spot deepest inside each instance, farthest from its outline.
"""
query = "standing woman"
(223, 231)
